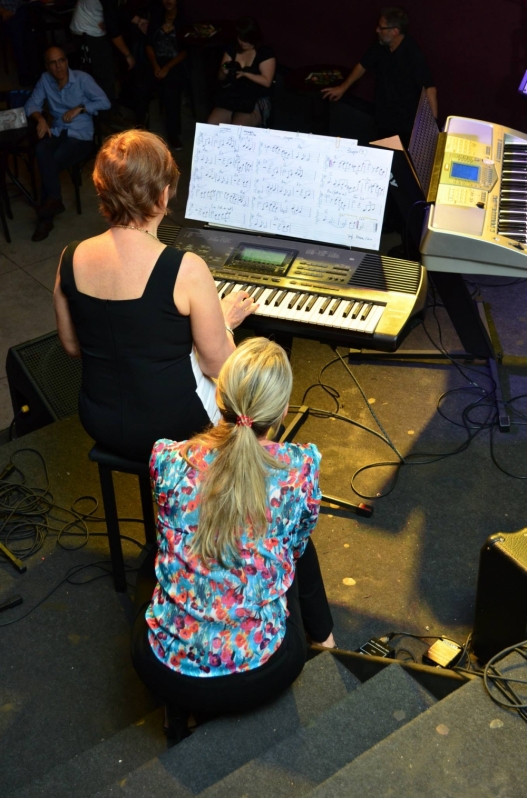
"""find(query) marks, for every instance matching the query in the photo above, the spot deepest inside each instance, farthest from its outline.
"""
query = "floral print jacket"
(207, 620)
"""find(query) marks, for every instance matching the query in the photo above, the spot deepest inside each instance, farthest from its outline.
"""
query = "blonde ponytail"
(255, 383)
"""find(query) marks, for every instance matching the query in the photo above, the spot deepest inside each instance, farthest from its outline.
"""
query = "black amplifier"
(501, 601)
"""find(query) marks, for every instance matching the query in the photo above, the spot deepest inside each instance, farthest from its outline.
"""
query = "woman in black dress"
(167, 58)
(246, 75)
(145, 318)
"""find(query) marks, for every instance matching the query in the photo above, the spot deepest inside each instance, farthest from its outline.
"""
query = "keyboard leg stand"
(492, 362)
(366, 510)
(412, 354)
(470, 322)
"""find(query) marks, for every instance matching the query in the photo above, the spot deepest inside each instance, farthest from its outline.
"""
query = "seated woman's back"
(231, 617)
(139, 313)
(116, 265)
(140, 374)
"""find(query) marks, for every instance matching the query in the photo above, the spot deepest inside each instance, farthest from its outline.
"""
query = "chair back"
(17, 98)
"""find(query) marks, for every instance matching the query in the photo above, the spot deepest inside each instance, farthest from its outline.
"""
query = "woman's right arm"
(222, 74)
(65, 327)
(151, 55)
(195, 295)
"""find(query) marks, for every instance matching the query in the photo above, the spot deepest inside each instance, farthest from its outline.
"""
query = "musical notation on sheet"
(312, 187)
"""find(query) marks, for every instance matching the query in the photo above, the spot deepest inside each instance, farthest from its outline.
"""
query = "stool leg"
(3, 221)
(78, 197)
(112, 525)
(148, 509)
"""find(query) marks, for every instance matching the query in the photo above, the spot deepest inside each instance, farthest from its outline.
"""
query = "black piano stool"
(107, 463)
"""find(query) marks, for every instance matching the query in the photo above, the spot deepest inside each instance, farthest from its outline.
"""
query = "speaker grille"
(387, 274)
(167, 232)
(56, 374)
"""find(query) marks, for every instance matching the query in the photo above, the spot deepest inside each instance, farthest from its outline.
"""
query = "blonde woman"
(238, 580)
(145, 318)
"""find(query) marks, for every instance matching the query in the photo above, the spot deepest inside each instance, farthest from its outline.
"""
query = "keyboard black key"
(357, 310)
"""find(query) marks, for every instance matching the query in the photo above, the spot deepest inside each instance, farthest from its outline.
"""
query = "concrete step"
(102, 764)
(465, 745)
(341, 733)
(223, 745)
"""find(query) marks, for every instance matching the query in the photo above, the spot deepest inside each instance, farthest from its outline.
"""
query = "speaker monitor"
(42, 376)
(501, 600)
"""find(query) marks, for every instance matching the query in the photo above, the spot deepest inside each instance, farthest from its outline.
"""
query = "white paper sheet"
(312, 187)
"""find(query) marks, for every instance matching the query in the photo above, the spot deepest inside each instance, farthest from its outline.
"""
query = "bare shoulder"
(193, 267)
(93, 244)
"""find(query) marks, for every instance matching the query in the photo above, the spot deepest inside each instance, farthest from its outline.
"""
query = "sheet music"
(313, 187)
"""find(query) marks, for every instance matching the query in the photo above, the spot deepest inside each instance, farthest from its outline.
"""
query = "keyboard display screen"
(463, 171)
(260, 259)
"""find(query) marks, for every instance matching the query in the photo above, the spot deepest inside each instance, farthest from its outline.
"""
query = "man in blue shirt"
(73, 97)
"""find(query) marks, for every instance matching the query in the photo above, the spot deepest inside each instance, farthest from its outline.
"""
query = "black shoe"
(176, 725)
(50, 208)
(42, 230)
(176, 144)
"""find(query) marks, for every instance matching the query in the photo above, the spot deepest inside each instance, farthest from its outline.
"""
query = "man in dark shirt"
(401, 72)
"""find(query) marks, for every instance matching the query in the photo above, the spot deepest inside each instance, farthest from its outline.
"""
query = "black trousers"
(308, 612)
(170, 89)
(55, 153)
(101, 53)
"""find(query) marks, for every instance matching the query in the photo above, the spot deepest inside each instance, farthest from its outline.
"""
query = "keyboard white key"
(286, 312)
(263, 310)
(374, 318)
(300, 306)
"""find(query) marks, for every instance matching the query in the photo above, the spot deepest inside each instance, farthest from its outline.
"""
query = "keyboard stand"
(470, 323)
(365, 510)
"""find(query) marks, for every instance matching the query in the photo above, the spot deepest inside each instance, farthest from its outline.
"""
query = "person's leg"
(71, 150)
(47, 166)
(102, 69)
(144, 88)
(254, 119)
(53, 154)
(219, 116)
(314, 607)
(171, 89)
(24, 46)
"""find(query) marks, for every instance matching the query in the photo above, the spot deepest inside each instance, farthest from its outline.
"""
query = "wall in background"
(477, 50)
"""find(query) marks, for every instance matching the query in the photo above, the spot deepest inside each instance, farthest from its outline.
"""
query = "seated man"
(73, 98)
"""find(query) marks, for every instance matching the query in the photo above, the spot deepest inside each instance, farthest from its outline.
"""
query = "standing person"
(97, 21)
(145, 318)
(238, 580)
(16, 18)
(166, 57)
(246, 75)
(73, 98)
(400, 72)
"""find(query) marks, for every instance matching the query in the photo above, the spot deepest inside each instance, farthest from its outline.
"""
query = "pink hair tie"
(244, 421)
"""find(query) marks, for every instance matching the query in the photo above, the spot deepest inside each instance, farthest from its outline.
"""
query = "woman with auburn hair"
(238, 578)
(145, 318)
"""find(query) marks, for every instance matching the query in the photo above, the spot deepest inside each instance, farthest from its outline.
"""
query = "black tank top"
(138, 382)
